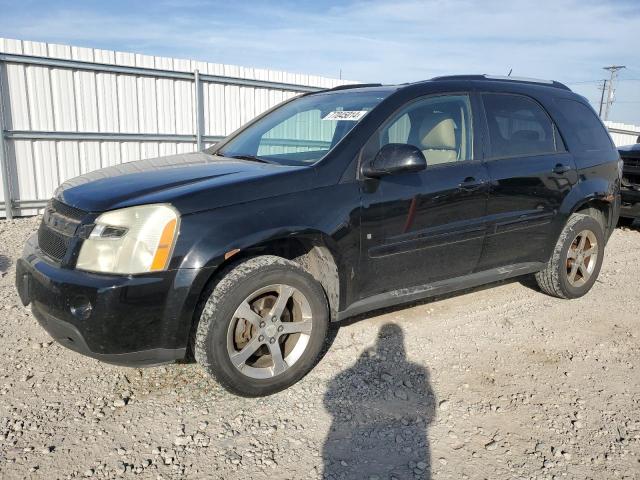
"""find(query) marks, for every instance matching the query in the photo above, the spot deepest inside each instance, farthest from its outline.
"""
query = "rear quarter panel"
(598, 172)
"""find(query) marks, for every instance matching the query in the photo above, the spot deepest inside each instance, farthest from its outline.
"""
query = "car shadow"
(381, 409)
(629, 224)
(5, 263)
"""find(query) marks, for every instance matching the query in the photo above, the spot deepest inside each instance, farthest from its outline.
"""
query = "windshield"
(304, 130)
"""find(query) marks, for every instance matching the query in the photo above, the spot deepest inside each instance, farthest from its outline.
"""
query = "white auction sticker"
(351, 115)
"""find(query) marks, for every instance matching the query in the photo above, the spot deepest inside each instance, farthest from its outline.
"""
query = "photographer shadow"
(382, 407)
(5, 263)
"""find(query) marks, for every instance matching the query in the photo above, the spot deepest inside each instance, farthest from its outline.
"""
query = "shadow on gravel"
(5, 263)
(381, 408)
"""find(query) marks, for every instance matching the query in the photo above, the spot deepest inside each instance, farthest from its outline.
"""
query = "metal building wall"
(56, 118)
(623, 133)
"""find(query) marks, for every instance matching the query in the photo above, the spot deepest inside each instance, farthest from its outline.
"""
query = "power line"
(584, 82)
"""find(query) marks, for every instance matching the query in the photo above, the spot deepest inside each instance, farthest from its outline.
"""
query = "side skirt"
(404, 295)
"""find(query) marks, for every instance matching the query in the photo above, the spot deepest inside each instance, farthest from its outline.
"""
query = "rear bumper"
(126, 320)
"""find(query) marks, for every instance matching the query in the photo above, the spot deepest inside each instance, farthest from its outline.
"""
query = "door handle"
(560, 169)
(470, 183)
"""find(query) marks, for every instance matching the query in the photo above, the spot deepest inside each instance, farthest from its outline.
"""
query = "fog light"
(81, 308)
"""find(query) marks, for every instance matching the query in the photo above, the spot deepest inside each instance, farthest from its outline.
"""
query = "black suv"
(630, 182)
(329, 205)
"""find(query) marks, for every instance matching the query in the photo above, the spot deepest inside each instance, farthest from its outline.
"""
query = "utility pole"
(614, 69)
(603, 88)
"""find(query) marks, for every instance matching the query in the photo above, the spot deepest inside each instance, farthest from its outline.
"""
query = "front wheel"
(575, 264)
(262, 327)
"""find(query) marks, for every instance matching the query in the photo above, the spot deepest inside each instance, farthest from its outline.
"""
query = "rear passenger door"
(531, 173)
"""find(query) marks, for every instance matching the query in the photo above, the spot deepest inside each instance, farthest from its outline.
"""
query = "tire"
(557, 278)
(238, 316)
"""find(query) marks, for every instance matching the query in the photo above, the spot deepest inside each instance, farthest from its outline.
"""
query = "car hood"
(191, 182)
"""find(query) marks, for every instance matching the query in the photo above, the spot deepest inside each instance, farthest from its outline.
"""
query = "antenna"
(614, 69)
(510, 70)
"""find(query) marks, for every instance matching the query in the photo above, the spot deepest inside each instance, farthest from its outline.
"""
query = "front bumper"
(630, 203)
(136, 320)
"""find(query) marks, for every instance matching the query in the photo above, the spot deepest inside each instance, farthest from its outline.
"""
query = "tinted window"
(585, 125)
(518, 126)
(439, 126)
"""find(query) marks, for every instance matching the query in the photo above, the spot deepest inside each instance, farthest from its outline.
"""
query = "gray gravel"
(497, 383)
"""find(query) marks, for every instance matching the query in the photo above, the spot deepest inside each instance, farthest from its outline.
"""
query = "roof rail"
(344, 87)
(354, 85)
(551, 83)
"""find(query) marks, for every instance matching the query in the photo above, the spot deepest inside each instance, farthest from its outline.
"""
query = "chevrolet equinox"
(331, 204)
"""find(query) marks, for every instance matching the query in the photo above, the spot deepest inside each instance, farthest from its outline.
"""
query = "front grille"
(59, 225)
(52, 243)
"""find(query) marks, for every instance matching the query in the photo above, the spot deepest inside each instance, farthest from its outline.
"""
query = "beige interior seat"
(437, 136)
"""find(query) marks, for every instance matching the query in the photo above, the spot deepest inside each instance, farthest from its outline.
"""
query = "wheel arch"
(315, 251)
(600, 207)
(593, 195)
(586, 196)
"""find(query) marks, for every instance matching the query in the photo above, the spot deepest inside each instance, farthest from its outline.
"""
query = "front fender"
(328, 214)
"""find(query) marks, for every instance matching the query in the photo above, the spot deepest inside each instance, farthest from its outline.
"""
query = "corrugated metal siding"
(632, 132)
(41, 98)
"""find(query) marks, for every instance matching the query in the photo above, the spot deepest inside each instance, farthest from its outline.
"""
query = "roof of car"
(361, 87)
(452, 78)
(501, 78)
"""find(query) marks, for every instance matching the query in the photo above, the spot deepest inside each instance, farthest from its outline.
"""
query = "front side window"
(439, 126)
(304, 130)
(518, 126)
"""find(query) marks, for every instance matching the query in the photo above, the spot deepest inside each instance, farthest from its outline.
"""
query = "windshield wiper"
(252, 158)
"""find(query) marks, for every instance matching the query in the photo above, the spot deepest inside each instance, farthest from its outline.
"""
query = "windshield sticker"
(350, 115)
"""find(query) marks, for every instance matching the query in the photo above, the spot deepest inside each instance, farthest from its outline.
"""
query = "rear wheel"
(262, 327)
(576, 260)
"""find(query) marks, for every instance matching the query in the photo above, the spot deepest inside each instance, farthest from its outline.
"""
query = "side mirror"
(395, 158)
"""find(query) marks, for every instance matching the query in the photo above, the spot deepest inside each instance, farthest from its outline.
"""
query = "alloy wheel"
(582, 257)
(269, 331)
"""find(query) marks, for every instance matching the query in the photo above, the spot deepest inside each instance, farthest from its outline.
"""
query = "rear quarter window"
(585, 125)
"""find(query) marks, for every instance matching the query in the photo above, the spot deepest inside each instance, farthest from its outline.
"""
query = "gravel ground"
(497, 383)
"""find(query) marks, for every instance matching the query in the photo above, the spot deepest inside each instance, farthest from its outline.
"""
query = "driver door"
(421, 227)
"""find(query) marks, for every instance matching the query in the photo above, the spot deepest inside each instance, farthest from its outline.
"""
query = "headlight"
(131, 240)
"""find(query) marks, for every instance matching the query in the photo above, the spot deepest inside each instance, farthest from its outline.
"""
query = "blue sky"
(380, 40)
